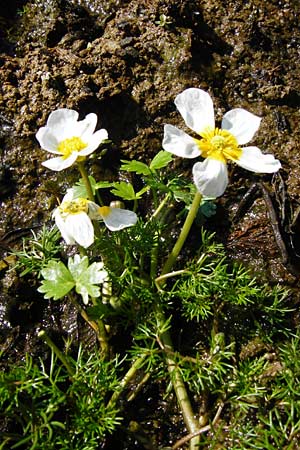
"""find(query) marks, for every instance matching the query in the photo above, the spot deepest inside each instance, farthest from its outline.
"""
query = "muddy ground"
(126, 61)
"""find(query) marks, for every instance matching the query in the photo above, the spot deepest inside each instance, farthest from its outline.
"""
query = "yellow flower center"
(73, 207)
(219, 144)
(70, 145)
(104, 211)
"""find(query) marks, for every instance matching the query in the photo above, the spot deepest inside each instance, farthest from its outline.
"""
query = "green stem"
(155, 198)
(183, 234)
(135, 205)
(161, 278)
(87, 183)
(154, 257)
(42, 334)
(160, 207)
(166, 341)
(184, 403)
(89, 190)
(102, 334)
(126, 379)
(98, 326)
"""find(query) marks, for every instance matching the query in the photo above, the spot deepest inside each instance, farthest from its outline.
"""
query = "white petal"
(81, 228)
(94, 213)
(47, 140)
(94, 142)
(210, 177)
(242, 124)
(118, 218)
(196, 108)
(62, 123)
(254, 160)
(60, 163)
(69, 195)
(86, 127)
(179, 143)
(60, 223)
(61, 115)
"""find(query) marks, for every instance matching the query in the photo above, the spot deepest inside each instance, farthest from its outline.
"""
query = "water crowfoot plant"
(143, 301)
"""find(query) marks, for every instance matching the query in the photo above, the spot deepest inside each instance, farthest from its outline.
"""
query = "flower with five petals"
(216, 145)
(74, 216)
(69, 138)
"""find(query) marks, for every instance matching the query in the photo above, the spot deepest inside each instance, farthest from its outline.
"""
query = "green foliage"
(207, 371)
(225, 325)
(263, 401)
(213, 287)
(126, 191)
(137, 167)
(161, 160)
(38, 250)
(79, 189)
(59, 280)
(49, 411)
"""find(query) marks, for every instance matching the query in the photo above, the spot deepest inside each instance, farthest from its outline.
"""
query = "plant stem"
(102, 334)
(42, 334)
(89, 190)
(126, 379)
(160, 207)
(178, 384)
(164, 277)
(87, 183)
(98, 327)
(166, 341)
(183, 234)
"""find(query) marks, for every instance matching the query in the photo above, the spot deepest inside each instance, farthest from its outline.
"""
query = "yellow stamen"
(70, 145)
(219, 144)
(76, 206)
(104, 211)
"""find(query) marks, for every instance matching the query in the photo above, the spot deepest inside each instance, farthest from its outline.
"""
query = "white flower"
(114, 218)
(64, 135)
(74, 219)
(216, 145)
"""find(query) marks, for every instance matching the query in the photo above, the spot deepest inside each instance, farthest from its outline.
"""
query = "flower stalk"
(87, 183)
(126, 379)
(98, 326)
(42, 334)
(184, 403)
(165, 339)
(183, 234)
